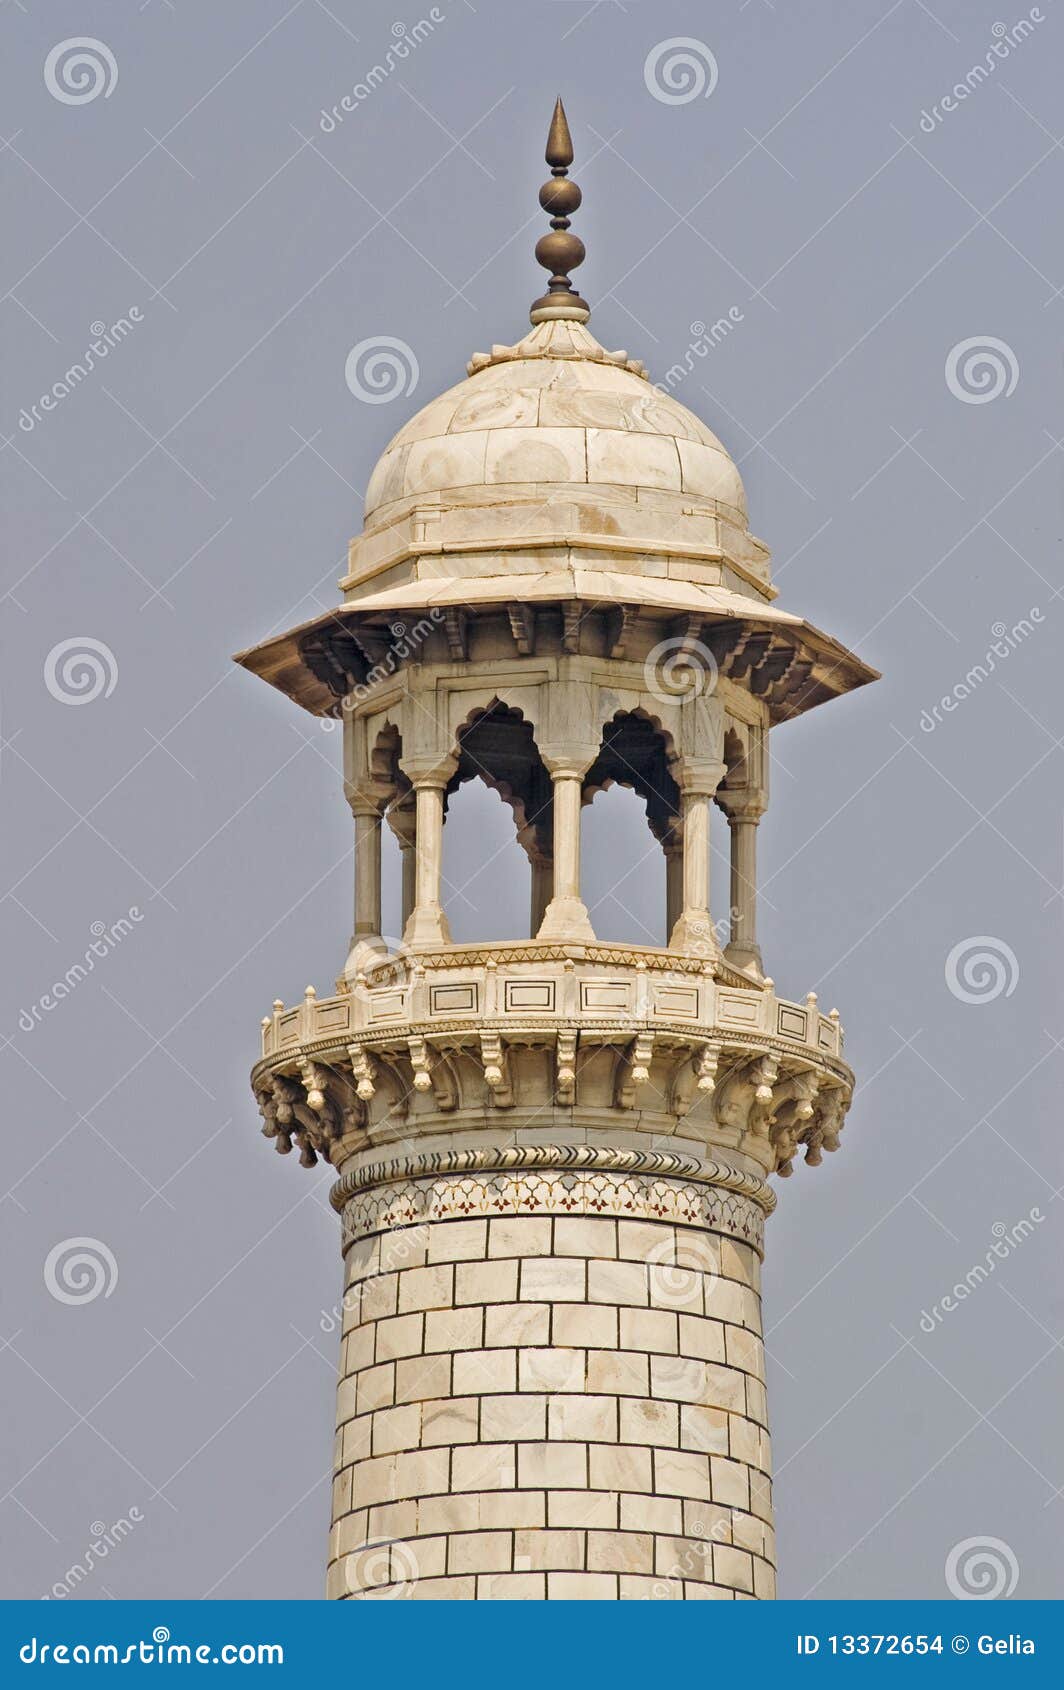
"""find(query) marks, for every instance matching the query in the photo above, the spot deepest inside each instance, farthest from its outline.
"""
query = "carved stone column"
(698, 780)
(367, 872)
(673, 883)
(566, 915)
(402, 819)
(367, 944)
(744, 811)
(542, 867)
(428, 924)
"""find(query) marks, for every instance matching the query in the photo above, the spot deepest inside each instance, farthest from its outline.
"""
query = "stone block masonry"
(551, 1406)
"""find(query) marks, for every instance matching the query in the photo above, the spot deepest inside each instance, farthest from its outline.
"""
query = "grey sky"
(196, 491)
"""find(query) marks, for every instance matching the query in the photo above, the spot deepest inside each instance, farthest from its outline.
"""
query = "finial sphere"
(560, 197)
(559, 251)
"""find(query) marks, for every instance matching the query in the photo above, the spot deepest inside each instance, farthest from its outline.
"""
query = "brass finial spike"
(560, 251)
(559, 154)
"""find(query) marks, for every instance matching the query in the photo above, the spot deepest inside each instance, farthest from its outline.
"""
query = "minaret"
(553, 1156)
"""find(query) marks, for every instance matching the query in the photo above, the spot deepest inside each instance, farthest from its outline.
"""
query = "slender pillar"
(367, 945)
(367, 872)
(693, 932)
(542, 888)
(673, 884)
(427, 924)
(402, 819)
(744, 813)
(566, 915)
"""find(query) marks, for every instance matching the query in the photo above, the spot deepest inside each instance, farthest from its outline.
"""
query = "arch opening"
(632, 883)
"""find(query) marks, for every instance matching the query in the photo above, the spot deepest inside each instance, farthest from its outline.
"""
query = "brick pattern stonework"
(563, 1406)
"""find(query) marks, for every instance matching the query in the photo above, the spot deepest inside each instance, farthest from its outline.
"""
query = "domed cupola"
(558, 478)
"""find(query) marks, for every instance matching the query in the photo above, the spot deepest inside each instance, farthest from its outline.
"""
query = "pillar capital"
(742, 805)
(698, 776)
(568, 760)
(429, 769)
(366, 795)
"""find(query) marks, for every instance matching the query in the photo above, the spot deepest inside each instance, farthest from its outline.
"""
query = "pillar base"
(566, 918)
(366, 949)
(427, 926)
(746, 958)
(694, 935)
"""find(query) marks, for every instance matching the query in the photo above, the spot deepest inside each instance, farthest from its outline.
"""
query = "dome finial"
(560, 251)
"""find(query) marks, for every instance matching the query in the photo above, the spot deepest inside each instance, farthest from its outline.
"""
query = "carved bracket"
(497, 1075)
(565, 1068)
(633, 1070)
(744, 1100)
(794, 1110)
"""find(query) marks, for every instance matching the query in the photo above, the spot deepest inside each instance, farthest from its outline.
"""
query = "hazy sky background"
(196, 492)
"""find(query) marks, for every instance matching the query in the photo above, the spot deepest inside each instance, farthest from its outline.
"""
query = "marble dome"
(554, 412)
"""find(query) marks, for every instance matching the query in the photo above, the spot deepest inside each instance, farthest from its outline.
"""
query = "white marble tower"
(553, 1155)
